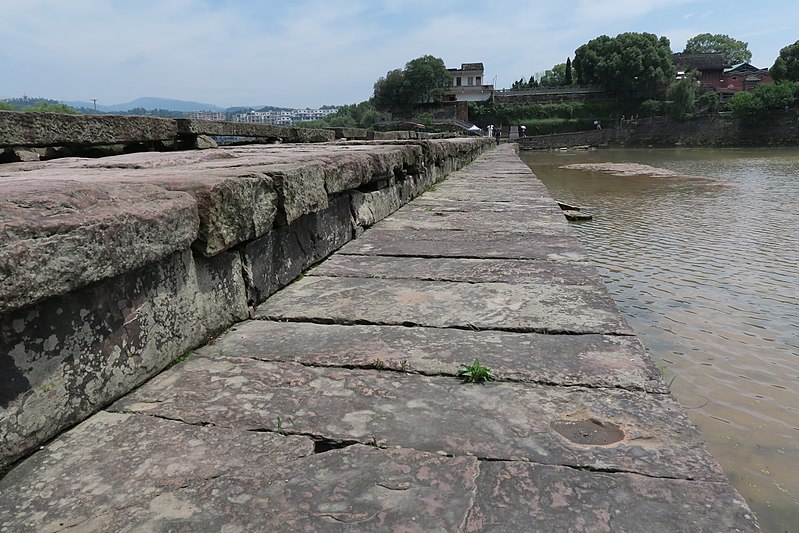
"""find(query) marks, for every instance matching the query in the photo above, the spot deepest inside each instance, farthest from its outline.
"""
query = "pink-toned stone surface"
(49, 129)
(58, 235)
(358, 362)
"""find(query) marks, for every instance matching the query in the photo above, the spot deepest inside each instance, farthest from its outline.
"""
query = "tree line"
(631, 67)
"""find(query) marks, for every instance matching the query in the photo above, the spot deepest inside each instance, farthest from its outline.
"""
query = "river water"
(707, 273)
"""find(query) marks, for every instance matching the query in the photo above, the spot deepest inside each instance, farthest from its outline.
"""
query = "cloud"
(315, 52)
(621, 10)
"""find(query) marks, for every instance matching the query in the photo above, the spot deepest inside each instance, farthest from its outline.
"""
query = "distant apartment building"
(283, 118)
(206, 115)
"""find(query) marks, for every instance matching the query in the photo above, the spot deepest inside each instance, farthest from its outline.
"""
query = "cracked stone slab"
(113, 461)
(480, 216)
(458, 269)
(513, 496)
(497, 193)
(541, 308)
(465, 199)
(590, 360)
(119, 472)
(467, 243)
(499, 420)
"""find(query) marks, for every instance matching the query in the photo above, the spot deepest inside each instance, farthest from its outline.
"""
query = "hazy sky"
(308, 53)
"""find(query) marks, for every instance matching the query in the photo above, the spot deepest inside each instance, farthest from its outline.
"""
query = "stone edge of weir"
(332, 401)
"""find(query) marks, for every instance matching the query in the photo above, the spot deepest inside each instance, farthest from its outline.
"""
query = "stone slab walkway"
(338, 406)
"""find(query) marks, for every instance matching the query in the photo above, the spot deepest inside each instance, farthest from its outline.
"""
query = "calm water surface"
(707, 272)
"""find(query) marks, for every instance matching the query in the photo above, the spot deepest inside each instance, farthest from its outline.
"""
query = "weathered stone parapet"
(34, 136)
(265, 132)
(55, 129)
(111, 268)
(349, 133)
(66, 357)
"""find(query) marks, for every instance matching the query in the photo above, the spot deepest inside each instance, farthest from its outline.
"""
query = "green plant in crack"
(379, 364)
(664, 374)
(475, 373)
(405, 366)
(377, 444)
(280, 428)
(180, 359)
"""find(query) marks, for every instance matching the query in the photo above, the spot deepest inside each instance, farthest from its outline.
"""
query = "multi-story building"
(714, 75)
(283, 118)
(206, 115)
(467, 84)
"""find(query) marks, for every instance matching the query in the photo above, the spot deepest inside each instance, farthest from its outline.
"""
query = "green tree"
(777, 95)
(746, 106)
(362, 115)
(630, 62)
(5, 106)
(709, 100)
(569, 75)
(734, 51)
(651, 107)
(342, 121)
(587, 59)
(426, 78)
(390, 91)
(422, 80)
(43, 107)
(682, 95)
(786, 66)
(555, 77)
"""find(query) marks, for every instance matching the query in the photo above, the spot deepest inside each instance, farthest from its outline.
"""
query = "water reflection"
(707, 273)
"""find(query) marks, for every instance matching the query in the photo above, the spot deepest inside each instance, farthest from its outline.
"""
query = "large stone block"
(565, 499)
(301, 189)
(581, 427)
(51, 129)
(334, 227)
(273, 261)
(65, 358)
(58, 235)
(371, 207)
(267, 132)
(140, 473)
(350, 133)
(233, 210)
(362, 164)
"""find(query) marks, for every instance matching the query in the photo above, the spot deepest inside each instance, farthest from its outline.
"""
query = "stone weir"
(111, 268)
(42, 136)
(338, 405)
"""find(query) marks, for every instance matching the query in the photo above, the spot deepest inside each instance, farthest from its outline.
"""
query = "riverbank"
(777, 129)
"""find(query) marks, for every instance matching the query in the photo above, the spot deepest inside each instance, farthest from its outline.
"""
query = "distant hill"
(150, 102)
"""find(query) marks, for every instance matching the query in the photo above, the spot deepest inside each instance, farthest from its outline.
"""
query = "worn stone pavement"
(337, 407)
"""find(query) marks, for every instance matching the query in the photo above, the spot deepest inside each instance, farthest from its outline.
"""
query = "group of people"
(496, 132)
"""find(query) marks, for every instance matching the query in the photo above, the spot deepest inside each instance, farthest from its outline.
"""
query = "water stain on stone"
(592, 432)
